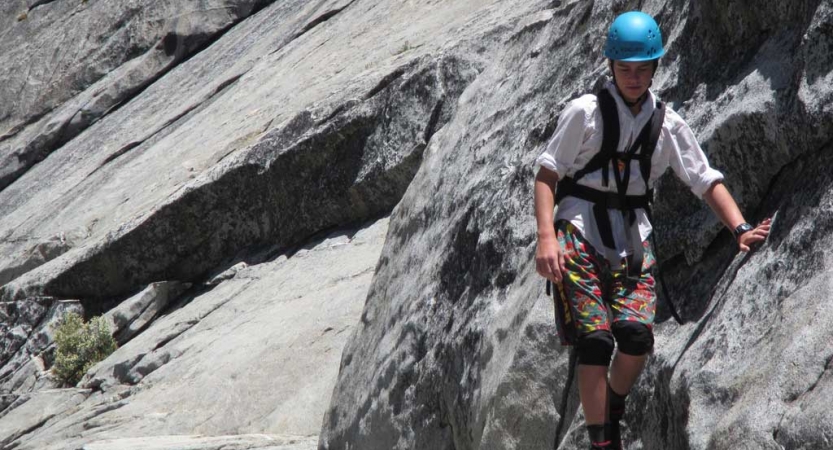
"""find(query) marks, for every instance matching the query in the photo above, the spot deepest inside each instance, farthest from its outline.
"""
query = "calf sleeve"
(615, 411)
(633, 338)
(616, 402)
(595, 348)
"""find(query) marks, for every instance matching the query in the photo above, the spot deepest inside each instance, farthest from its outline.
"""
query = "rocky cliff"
(216, 178)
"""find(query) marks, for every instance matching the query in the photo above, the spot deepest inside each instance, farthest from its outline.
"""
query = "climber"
(596, 248)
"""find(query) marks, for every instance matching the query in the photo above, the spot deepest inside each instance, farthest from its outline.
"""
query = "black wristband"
(742, 228)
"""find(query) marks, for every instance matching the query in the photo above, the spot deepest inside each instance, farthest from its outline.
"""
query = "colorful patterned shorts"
(597, 295)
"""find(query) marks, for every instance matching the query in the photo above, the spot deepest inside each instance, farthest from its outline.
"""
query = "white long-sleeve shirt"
(578, 137)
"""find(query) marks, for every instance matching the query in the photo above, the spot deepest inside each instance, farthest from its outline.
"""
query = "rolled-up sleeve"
(562, 149)
(688, 160)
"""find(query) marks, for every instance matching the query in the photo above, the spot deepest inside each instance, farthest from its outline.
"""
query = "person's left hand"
(754, 236)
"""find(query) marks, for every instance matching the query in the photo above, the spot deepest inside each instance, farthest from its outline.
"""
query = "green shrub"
(79, 346)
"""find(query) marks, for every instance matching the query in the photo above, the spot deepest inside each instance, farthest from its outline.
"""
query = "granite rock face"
(131, 316)
(238, 442)
(211, 174)
(83, 59)
(457, 327)
(231, 190)
(28, 343)
(255, 354)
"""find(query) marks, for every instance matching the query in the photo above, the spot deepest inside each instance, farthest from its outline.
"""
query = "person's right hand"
(549, 260)
(751, 238)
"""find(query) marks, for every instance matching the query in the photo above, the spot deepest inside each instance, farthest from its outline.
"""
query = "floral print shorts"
(593, 295)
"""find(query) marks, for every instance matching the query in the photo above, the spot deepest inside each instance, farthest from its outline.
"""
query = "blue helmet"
(634, 36)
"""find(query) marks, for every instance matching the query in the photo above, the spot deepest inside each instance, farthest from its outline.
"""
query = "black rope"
(661, 281)
(565, 398)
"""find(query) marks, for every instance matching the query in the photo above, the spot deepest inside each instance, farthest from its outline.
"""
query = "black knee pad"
(595, 348)
(633, 338)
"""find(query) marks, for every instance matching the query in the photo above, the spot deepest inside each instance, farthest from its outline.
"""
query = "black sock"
(616, 404)
(597, 435)
(615, 411)
(613, 435)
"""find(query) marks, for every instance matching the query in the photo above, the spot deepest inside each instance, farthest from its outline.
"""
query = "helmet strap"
(633, 103)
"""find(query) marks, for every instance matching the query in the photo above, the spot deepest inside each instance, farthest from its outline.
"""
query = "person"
(596, 248)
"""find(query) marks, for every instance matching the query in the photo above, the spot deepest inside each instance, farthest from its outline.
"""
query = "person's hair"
(655, 61)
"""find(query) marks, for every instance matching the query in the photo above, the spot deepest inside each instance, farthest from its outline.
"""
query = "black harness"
(641, 150)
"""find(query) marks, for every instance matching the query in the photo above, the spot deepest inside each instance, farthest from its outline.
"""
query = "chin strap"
(634, 103)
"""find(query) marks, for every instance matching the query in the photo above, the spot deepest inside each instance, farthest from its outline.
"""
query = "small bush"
(79, 346)
(404, 48)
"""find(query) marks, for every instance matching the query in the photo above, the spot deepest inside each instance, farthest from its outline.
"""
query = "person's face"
(633, 78)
